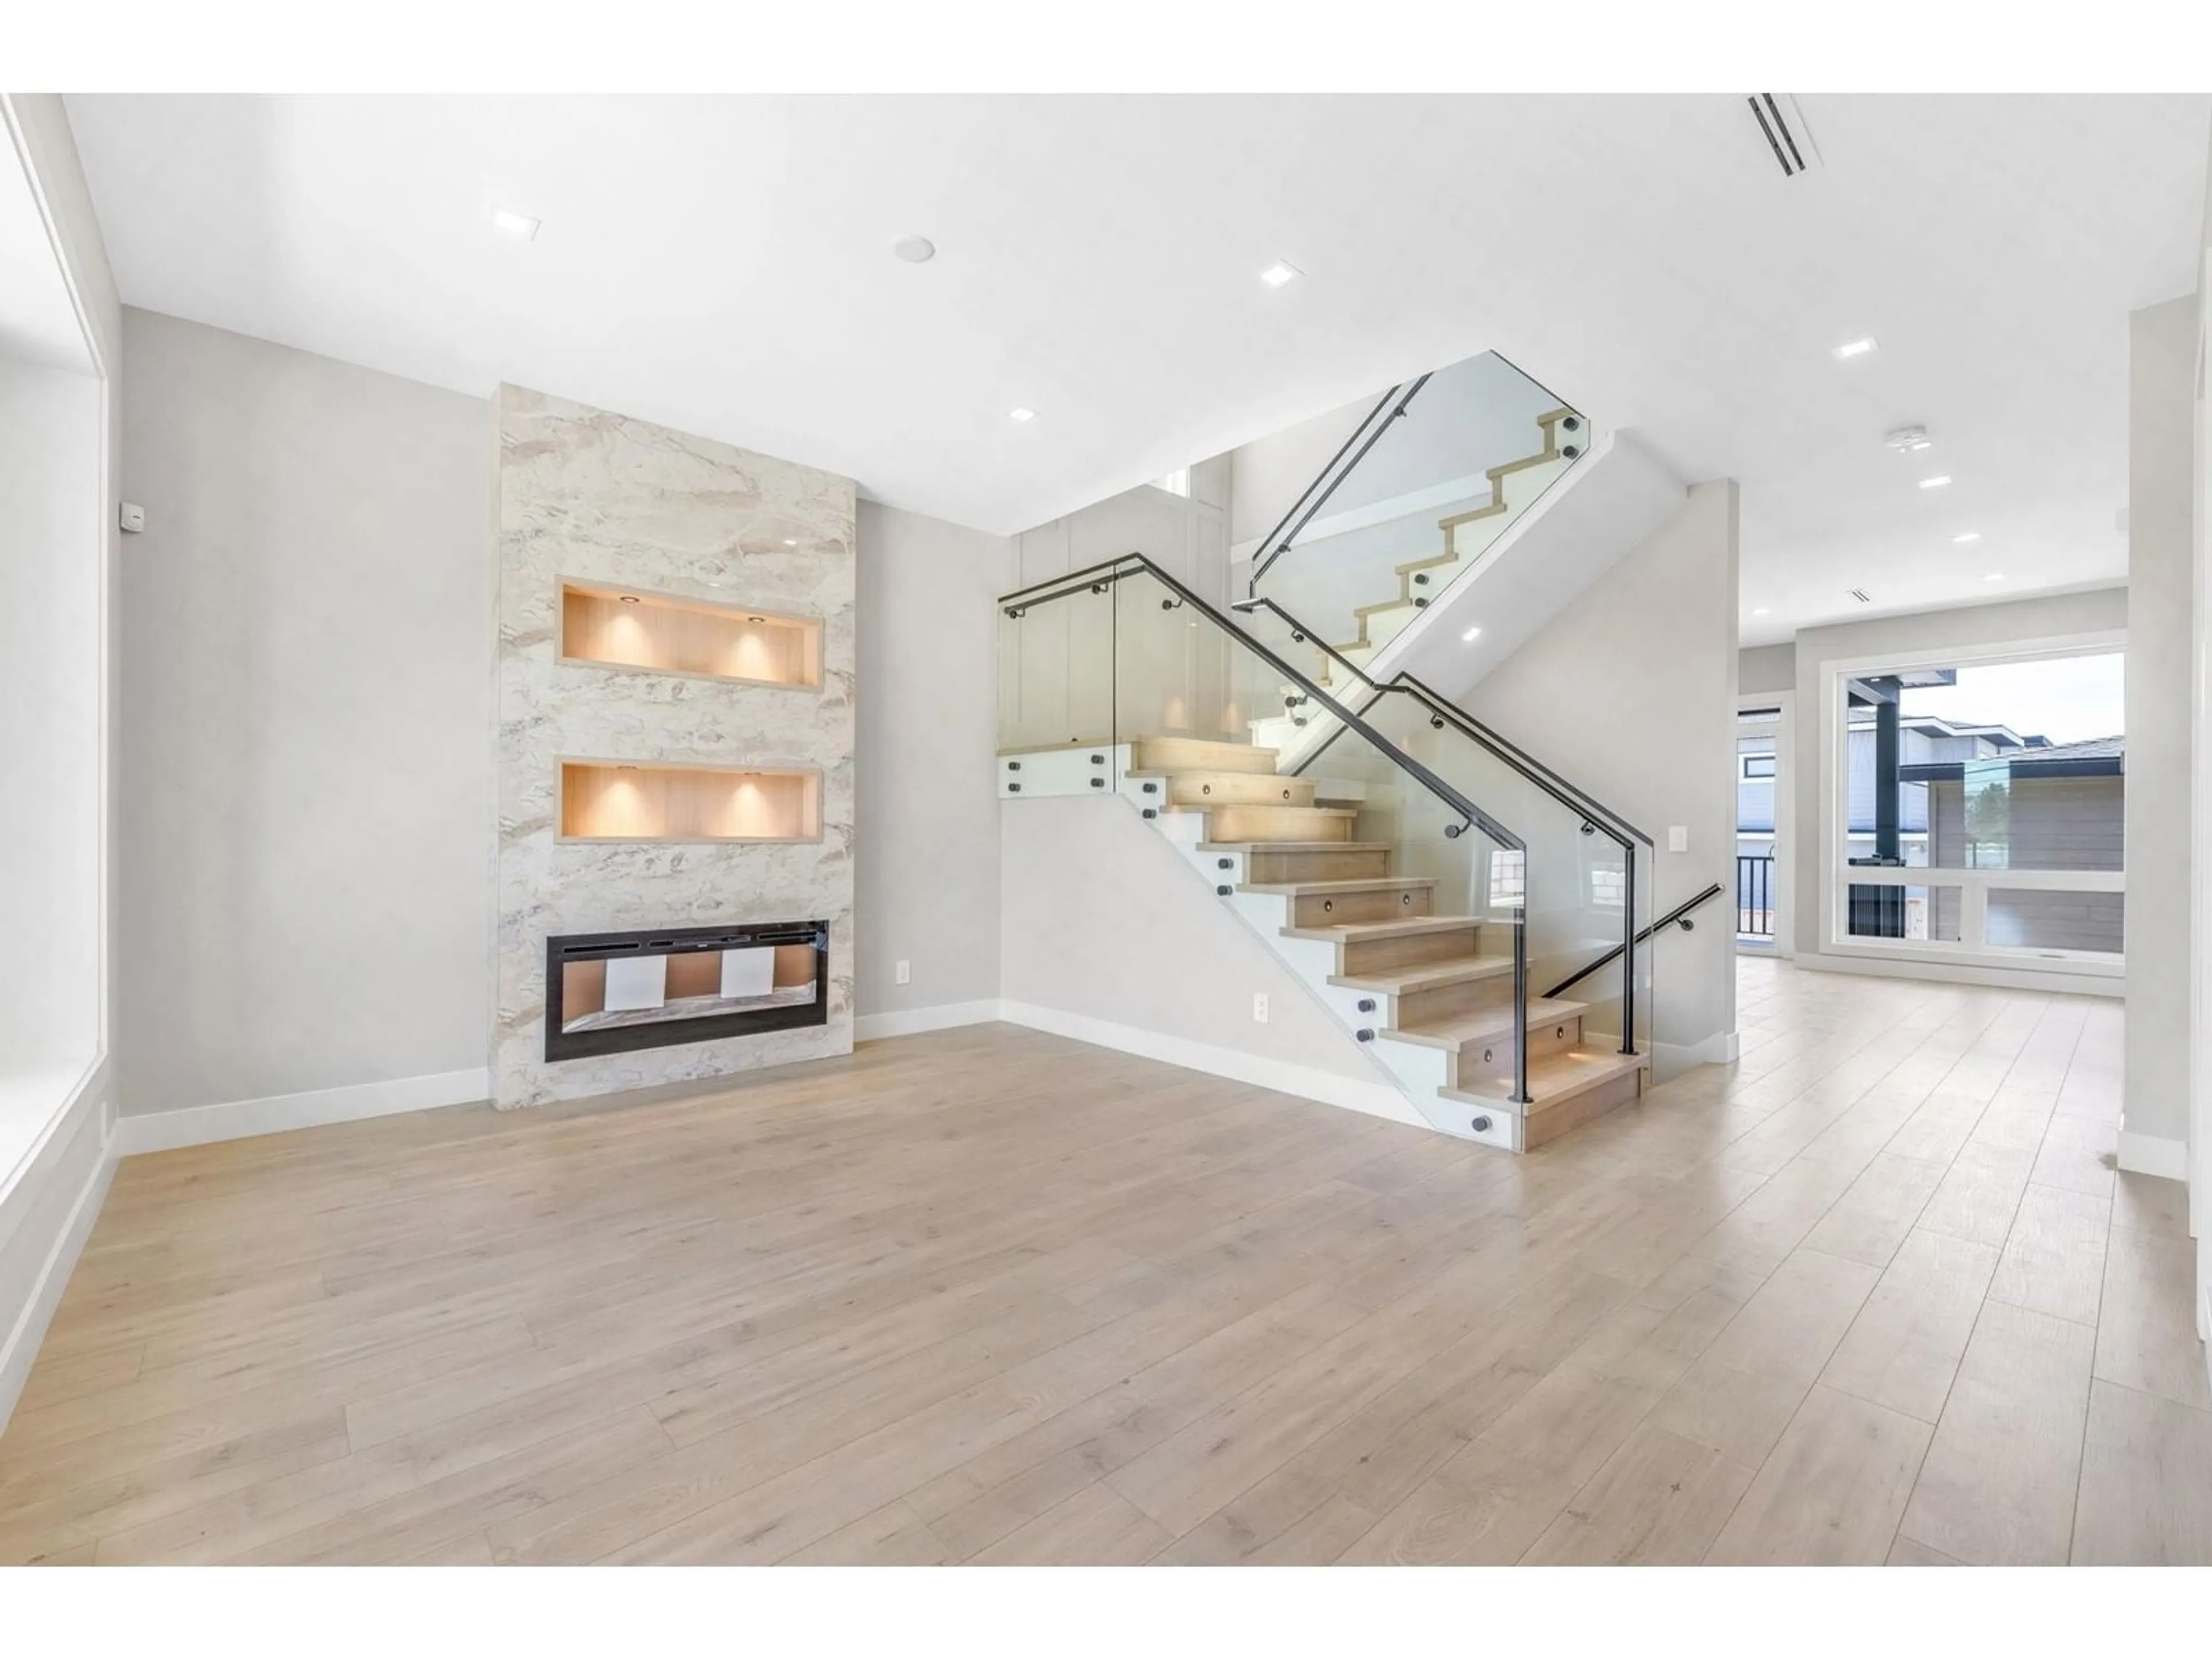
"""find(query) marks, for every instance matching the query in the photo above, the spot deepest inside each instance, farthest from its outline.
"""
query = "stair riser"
(1276, 823)
(1550, 1125)
(1336, 909)
(1451, 1001)
(1195, 755)
(1542, 1040)
(1269, 869)
(1249, 788)
(1364, 956)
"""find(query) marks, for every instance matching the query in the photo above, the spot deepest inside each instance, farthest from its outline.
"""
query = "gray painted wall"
(1630, 692)
(2161, 420)
(305, 686)
(1764, 668)
(927, 798)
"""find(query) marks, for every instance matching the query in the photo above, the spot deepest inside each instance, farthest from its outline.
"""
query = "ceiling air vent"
(1862, 596)
(1790, 148)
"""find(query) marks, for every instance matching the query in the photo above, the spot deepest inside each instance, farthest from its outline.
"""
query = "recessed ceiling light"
(1994, 576)
(1759, 610)
(791, 541)
(1021, 414)
(1855, 348)
(1967, 539)
(1280, 272)
(628, 598)
(514, 223)
(915, 250)
(758, 619)
(1935, 482)
(1472, 635)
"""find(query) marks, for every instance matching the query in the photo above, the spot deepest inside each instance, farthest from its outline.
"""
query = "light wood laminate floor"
(1875, 1293)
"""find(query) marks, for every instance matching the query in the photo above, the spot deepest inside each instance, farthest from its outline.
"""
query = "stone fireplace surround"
(589, 496)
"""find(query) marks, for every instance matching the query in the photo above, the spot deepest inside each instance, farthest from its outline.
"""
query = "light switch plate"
(1677, 837)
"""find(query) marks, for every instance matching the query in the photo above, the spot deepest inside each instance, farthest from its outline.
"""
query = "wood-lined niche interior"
(608, 627)
(669, 800)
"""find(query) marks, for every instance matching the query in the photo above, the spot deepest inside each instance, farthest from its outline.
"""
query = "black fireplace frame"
(679, 941)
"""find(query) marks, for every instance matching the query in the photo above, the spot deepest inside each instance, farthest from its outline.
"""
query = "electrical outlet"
(905, 971)
(1260, 1007)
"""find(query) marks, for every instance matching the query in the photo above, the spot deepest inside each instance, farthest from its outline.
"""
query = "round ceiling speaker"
(915, 250)
(1907, 438)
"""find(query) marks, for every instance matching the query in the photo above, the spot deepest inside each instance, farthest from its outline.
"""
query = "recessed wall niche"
(676, 800)
(687, 766)
(643, 632)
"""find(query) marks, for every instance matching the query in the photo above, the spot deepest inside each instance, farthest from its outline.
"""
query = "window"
(1758, 766)
(2000, 788)
(1176, 483)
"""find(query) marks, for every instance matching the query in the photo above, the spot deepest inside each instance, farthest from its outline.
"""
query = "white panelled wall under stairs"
(1432, 995)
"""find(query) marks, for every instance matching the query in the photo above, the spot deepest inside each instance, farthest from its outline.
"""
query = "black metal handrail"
(1285, 533)
(1103, 577)
(1679, 914)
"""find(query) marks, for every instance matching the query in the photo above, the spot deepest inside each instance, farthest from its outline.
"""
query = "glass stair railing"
(1373, 864)
(1408, 506)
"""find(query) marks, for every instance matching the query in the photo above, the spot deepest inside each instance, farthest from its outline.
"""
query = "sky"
(2067, 699)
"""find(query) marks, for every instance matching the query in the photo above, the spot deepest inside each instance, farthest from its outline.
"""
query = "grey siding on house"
(2057, 824)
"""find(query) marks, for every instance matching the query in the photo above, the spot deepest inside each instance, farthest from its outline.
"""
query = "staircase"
(1466, 535)
(1433, 993)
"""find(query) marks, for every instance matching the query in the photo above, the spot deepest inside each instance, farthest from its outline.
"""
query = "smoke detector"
(1908, 439)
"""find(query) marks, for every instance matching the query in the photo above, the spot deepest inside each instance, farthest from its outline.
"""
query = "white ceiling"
(723, 265)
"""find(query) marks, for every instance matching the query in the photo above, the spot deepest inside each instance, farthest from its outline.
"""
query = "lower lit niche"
(675, 800)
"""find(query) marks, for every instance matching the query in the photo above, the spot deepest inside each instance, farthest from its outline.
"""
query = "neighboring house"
(2040, 806)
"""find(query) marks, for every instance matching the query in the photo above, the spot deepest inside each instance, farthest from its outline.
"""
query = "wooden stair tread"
(1465, 1028)
(1426, 976)
(1352, 932)
(1266, 806)
(1165, 754)
(1298, 846)
(1336, 889)
(1553, 1078)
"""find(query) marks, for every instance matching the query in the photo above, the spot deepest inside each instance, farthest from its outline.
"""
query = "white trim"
(21, 1349)
(1329, 1088)
(1889, 966)
(236, 1120)
(1722, 1048)
(2154, 1155)
(909, 1021)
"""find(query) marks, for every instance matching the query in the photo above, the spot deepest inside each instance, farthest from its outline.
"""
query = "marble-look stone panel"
(590, 495)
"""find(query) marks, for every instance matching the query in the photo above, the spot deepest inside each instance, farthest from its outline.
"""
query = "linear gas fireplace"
(605, 993)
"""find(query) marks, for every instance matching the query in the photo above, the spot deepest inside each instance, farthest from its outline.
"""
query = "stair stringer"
(1417, 1072)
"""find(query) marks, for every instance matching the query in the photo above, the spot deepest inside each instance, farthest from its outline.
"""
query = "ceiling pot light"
(1935, 482)
(756, 619)
(915, 250)
(628, 598)
(1280, 272)
(1994, 576)
(1471, 635)
(1907, 438)
(514, 223)
(1967, 539)
(791, 541)
(1761, 610)
(1021, 414)
(1851, 349)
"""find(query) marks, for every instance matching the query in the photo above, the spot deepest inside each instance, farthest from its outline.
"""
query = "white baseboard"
(2154, 1155)
(1952, 973)
(909, 1021)
(236, 1120)
(21, 1348)
(1378, 1099)
(1722, 1048)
